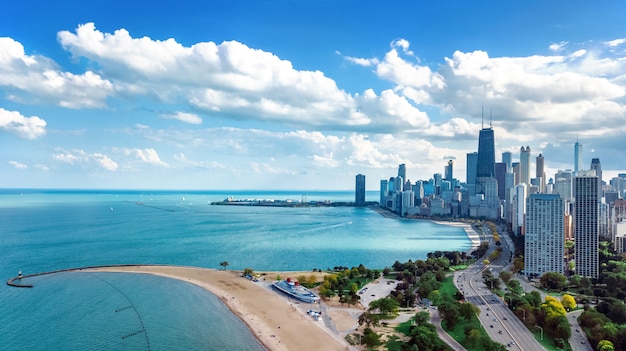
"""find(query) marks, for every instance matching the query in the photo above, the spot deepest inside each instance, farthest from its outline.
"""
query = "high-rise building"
(384, 191)
(563, 184)
(470, 172)
(359, 197)
(507, 159)
(586, 226)
(524, 162)
(596, 166)
(448, 171)
(402, 172)
(540, 173)
(486, 153)
(544, 234)
(500, 175)
(519, 208)
(578, 156)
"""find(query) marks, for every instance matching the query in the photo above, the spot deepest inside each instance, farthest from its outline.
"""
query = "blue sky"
(301, 94)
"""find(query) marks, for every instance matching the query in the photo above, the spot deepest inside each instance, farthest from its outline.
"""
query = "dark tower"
(486, 153)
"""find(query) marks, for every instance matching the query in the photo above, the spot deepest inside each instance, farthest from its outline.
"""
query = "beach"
(278, 323)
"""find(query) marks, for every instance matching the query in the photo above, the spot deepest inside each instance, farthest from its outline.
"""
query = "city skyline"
(290, 95)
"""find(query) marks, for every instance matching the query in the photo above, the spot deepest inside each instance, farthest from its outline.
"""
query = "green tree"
(506, 276)
(422, 318)
(605, 345)
(370, 338)
(224, 264)
(553, 280)
(385, 306)
(468, 310)
(449, 313)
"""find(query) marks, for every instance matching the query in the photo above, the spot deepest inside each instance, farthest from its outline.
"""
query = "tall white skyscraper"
(586, 226)
(544, 234)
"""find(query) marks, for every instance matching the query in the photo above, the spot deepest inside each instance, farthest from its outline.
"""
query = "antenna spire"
(482, 117)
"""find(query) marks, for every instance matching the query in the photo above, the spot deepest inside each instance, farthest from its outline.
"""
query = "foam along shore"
(273, 319)
(469, 230)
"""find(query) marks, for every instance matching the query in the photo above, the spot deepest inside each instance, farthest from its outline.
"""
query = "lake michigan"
(44, 230)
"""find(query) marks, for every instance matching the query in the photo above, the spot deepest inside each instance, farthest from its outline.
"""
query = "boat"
(296, 290)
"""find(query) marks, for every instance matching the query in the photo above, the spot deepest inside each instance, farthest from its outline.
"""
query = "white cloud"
(616, 42)
(18, 165)
(184, 117)
(556, 47)
(365, 62)
(147, 155)
(25, 127)
(81, 158)
(38, 79)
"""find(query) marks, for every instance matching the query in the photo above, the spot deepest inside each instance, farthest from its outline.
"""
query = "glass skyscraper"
(486, 153)
(360, 189)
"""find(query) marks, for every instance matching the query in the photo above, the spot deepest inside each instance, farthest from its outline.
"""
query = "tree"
(369, 319)
(605, 345)
(224, 264)
(248, 271)
(370, 338)
(568, 302)
(449, 313)
(468, 310)
(385, 306)
(506, 276)
(553, 280)
(422, 317)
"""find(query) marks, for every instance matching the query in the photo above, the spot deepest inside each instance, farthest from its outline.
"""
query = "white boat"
(296, 290)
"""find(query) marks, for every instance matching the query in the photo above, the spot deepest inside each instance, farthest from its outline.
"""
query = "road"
(500, 323)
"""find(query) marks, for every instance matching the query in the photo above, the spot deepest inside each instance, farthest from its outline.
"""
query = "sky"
(302, 95)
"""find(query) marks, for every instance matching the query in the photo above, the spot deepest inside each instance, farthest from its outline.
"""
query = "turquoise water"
(50, 230)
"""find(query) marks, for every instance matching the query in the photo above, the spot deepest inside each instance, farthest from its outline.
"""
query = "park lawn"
(458, 333)
(447, 287)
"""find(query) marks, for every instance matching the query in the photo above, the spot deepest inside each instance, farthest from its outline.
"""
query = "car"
(487, 313)
(499, 331)
(582, 341)
(491, 326)
(505, 318)
(578, 331)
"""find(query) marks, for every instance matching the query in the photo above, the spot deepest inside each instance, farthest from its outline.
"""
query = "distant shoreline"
(469, 230)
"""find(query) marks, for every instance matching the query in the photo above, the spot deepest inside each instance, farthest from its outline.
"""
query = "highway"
(500, 323)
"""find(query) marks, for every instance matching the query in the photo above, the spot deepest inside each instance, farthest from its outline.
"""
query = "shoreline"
(472, 235)
(276, 322)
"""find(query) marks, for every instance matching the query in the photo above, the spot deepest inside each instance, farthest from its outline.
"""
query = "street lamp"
(541, 329)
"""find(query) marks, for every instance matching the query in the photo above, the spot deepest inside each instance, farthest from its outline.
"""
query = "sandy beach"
(277, 322)
(469, 230)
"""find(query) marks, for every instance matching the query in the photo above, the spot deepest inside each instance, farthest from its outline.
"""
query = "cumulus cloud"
(229, 77)
(36, 78)
(147, 155)
(18, 165)
(81, 158)
(25, 127)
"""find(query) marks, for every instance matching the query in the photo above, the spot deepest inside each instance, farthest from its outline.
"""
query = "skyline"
(300, 95)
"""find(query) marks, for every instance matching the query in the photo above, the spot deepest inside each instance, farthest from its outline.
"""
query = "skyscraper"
(544, 234)
(586, 226)
(500, 176)
(359, 197)
(470, 172)
(402, 172)
(507, 159)
(596, 166)
(486, 153)
(540, 174)
(383, 192)
(524, 162)
(578, 156)
(448, 171)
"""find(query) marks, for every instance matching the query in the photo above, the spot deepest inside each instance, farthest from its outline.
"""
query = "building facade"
(544, 241)
(586, 226)
(359, 193)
